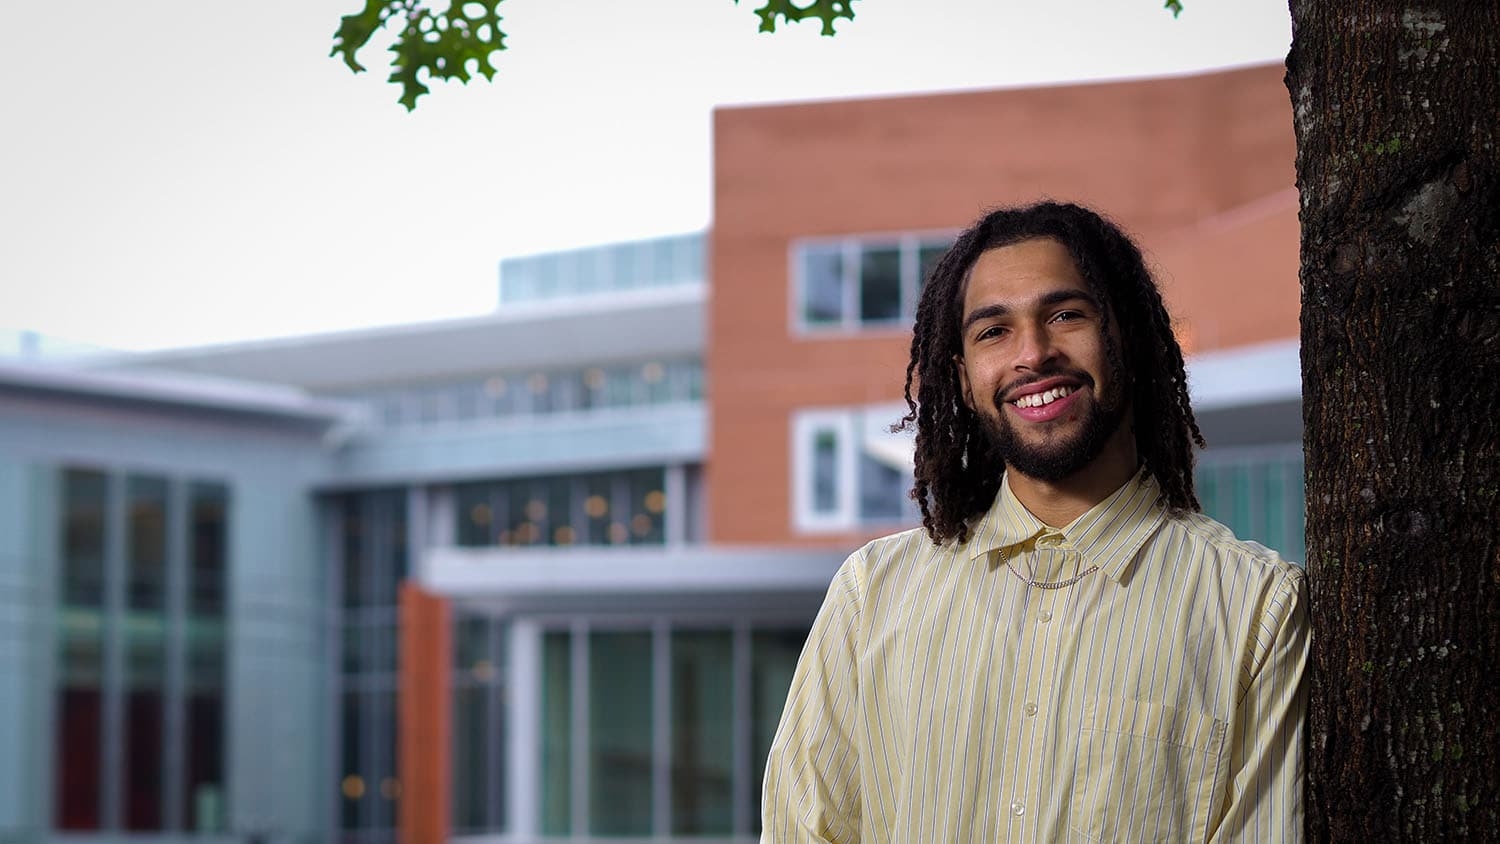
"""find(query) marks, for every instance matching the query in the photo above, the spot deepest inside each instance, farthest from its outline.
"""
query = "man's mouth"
(1044, 397)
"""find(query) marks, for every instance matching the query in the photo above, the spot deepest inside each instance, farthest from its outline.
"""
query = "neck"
(1057, 503)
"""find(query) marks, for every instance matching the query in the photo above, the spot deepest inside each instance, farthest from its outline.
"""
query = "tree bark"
(1396, 108)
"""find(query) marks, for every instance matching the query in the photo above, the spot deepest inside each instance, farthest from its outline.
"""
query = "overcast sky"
(181, 172)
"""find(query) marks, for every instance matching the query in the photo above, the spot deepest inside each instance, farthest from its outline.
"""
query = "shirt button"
(1017, 809)
(1030, 709)
(1045, 616)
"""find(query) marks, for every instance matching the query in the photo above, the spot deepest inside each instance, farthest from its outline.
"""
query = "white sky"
(180, 172)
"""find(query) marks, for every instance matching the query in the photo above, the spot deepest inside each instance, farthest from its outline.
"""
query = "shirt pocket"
(1146, 772)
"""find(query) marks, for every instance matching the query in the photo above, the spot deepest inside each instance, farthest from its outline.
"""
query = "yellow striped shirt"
(940, 698)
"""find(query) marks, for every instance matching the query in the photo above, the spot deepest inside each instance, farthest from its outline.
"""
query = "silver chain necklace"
(1043, 584)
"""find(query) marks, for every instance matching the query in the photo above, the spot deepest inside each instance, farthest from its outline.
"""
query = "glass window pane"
(654, 379)
(928, 254)
(204, 807)
(648, 506)
(773, 658)
(560, 529)
(352, 790)
(1297, 523)
(1240, 521)
(1207, 491)
(597, 501)
(880, 284)
(557, 733)
(204, 799)
(141, 765)
(825, 471)
(691, 259)
(471, 732)
(662, 269)
(1272, 508)
(208, 546)
(146, 543)
(76, 774)
(620, 733)
(625, 270)
(475, 516)
(882, 489)
(822, 285)
(702, 733)
(382, 780)
(83, 537)
(77, 744)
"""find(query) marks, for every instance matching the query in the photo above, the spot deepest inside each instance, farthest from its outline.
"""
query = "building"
(545, 573)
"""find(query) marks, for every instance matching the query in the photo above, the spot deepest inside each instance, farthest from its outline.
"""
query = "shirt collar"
(1107, 535)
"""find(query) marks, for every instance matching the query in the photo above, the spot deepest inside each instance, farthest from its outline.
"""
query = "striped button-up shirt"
(940, 697)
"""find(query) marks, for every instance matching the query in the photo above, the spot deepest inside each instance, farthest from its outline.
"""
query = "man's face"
(1034, 366)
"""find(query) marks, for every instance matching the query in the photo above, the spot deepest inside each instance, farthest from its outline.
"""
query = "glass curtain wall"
(1258, 493)
(78, 750)
(373, 560)
(600, 508)
(717, 691)
(525, 394)
(203, 787)
(145, 643)
(140, 722)
(479, 649)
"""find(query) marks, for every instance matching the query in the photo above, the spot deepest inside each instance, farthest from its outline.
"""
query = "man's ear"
(963, 380)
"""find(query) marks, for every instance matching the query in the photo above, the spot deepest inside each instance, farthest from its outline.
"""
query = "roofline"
(508, 314)
(963, 91)
(177, 390)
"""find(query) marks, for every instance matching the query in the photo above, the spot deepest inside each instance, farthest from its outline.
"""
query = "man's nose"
(1035, 348)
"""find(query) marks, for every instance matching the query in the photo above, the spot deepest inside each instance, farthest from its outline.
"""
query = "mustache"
(1003, 393)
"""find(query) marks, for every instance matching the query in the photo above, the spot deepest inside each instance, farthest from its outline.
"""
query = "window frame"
(848, 424)
(852, 249)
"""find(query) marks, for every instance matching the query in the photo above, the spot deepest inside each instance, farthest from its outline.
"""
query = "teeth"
(1044, 397)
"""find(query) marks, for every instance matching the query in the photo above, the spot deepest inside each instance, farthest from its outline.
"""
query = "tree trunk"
(1397, 107)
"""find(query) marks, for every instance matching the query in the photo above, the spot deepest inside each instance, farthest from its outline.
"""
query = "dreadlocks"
(957, 473)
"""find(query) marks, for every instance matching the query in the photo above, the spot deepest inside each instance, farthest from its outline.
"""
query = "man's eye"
(992, 331)
(1068, 316)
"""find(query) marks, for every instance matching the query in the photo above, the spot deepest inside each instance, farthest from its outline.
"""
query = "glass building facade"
(373, 558)
(653, 263)
(522, 396)
(140, 671)
(1258, 493)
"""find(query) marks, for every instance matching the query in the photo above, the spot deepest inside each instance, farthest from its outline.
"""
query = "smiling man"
(1067, 650)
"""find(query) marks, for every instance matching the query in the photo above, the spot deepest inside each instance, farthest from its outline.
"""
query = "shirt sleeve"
(1266, 765)
(812, 775)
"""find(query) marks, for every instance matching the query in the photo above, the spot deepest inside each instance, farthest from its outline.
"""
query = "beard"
(1057, 456)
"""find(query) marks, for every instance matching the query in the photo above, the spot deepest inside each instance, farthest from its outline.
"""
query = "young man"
(1069, 650)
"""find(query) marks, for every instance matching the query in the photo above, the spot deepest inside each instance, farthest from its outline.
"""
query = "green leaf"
(1175, 6)
(453, 44)
(826, 10)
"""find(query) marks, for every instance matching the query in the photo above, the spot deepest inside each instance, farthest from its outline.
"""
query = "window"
(717, 690)
(372, 561)
(773, 658)
(512, 395)
(1257, 493)
(557, 733)
(677, 259)
(603, 508)
(79, 741)
(702, 732)
(620, 733)
(478, 736)
(172, 540)
(849, 470)
(855, 283)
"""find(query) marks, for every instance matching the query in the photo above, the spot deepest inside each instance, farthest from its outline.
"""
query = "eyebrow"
(1047, 300)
